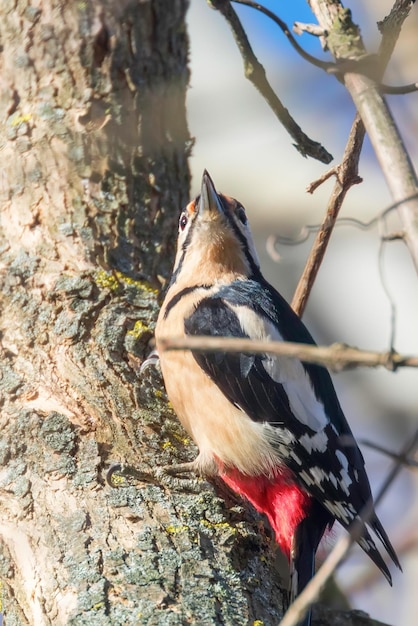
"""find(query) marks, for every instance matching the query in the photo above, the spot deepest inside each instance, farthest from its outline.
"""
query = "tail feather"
(306, 539)
(381, 533)
(368, 545)
(301, 570)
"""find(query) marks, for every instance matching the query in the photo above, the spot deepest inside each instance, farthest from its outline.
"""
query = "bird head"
(214, 238)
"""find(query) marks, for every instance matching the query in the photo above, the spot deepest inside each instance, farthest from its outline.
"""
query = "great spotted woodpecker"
(270, 426)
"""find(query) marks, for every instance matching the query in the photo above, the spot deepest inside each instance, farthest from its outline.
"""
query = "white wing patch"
(339, 510)
(317, 442)
(303, 402)
(320, 476)
(345, 481)
(287, 371)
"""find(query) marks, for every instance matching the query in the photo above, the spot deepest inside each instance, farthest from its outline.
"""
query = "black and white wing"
(297, 398)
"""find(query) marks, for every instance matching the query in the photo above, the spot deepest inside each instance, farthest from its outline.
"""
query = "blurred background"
(251, 157)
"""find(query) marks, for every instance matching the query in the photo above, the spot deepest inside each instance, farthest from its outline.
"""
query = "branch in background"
(407, 543)
(308, 229)
(323, 65)
(396, 91)
(310, 594)
(393, 158)
(390, 27)
(336, 356)
(348, 170)
(404, 460)
(344, 41)
(347, 176)
(379, 221)
(332, 68)
(255, 72)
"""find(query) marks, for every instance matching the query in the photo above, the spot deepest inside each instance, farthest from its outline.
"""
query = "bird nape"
(270, 426)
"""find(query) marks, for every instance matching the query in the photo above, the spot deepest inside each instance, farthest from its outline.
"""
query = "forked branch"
(371, 105)
(255, 72)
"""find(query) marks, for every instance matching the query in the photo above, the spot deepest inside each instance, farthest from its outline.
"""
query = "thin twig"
(348, 172)
(336, 356)
(403, 89)
(255, 72)
(323, 65)
(308, 229)
(313, 186)
(365, 92)
(386, 289)
(310, 594)
(407, 543)
(333, 68)
(404, 460)
(347, 176)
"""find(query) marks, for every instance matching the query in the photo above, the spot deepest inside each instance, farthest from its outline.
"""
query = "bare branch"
(324, 65)
(391, 26)
(348, 170)
(311, 29)
(313, 186)
(347, 176)
(310, 594)
(403, 89)
(344, 42)
(336, 357)
(255, 72)
(404, 460)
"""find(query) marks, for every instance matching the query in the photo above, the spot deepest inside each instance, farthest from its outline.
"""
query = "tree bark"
(94, 151)
(94, 146)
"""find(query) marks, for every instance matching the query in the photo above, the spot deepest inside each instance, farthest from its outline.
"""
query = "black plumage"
(245, 382)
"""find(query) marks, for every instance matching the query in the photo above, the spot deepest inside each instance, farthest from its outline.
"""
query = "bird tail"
(306, 539)
(381, 533)
(367, 544)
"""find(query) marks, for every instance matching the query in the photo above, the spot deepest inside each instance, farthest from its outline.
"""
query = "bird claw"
(152, 360)
(119, 475)
(172, 476)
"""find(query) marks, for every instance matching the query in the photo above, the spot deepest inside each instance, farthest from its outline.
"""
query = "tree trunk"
(94, 171)
(94, 150)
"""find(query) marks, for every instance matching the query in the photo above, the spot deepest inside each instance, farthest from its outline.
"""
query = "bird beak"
(210, 204)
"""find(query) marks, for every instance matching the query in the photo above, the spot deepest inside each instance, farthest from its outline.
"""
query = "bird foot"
(172, 476)
(119, 475)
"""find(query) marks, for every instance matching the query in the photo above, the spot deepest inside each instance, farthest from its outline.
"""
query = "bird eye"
(241, 215)
(183, 221)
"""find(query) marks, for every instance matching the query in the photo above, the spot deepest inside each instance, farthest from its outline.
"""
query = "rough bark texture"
(94, 146)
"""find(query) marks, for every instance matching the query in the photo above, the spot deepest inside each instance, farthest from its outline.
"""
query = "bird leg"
(119, 475)
(172, 476)
(179, 468)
